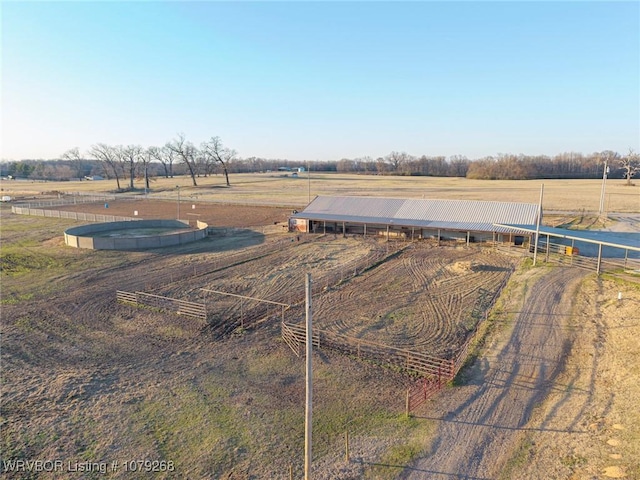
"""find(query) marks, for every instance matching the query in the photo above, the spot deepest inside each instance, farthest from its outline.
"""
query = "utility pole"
(308, 404)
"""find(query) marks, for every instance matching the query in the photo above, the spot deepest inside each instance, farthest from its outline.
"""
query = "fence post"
(346, 446)
(407, 402)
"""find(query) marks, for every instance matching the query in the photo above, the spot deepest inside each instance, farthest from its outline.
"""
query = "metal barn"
(459, 220)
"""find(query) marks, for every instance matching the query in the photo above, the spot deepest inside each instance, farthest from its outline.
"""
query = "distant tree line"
(179, 156)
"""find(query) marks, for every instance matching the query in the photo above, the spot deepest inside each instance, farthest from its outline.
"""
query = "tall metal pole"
(308, 404)
(604, 181)
(537, 236)
(309, 182)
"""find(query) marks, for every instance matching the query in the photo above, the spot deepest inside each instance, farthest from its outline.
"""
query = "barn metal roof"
(463, 215)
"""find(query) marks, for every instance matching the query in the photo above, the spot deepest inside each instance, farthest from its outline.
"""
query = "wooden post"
(407, 402)
(309, 385)
(346, 446)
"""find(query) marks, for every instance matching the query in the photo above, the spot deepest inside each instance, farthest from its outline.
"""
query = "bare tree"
(219, 153)
(630, 165)
(73, 156)
(131, 155)
(110, 158)
(146, 158)
(165, 156)
(397, 160)
(185, 152)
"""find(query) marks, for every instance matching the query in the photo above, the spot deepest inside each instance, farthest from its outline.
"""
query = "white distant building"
(301, 169)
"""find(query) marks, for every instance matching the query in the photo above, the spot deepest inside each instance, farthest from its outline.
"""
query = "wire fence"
(80, 216)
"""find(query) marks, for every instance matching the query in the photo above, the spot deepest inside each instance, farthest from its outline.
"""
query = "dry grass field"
(87, 380)
(275, 188)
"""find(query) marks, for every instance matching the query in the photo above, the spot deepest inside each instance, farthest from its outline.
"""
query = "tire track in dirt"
(486, 417)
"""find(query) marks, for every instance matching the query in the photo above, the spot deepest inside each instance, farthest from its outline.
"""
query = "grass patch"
(194, 426)
(15, 263)
(15, 299)
(400, 455)
(622, 281)
(521, 457)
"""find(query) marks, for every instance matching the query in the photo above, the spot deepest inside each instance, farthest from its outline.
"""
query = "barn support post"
(438, 237)
(324, 225)
(468, 235)
(626, 256)
(387, 233)
(365, 229)
(412, 230)
(599, 258)
(344, 230)
(546, 257)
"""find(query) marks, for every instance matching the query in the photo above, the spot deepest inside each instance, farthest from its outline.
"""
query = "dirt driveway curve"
(481, 422)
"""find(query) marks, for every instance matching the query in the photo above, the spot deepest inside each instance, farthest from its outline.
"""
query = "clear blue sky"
(322, 81)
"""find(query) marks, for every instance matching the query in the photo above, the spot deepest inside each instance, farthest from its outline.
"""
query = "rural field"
(549, 391)
(284, 189)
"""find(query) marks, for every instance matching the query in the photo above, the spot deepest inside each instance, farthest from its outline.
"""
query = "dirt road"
(482, 421)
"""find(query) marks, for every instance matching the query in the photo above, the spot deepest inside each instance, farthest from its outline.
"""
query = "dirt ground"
(86, 379)
(216, 215)
(481, 421)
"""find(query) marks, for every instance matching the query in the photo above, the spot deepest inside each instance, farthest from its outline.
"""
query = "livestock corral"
(414, 296)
